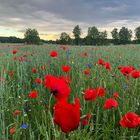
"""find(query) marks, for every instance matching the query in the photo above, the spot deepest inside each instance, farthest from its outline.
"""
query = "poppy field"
(54, 92)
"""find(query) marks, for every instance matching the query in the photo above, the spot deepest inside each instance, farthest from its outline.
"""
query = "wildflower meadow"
(60, 92)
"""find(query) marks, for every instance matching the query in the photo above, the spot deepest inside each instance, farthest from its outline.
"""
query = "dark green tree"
(125, 35)
(64, 38)
(115, 36)
(77, 33)
(31, 36)
(102, 38)
(137, 34)
(92, 36)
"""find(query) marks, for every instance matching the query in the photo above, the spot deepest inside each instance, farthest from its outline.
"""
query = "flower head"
(58, 87)
(14, 51)
(17, 112)
(67, 116)
(34, 70)
(110, 103)
(38, 80)
(135, 74)
(33, 94)
(53, 54)
(86, 72)
(66, 69)
(11, 73)
(90, 94)
(12, 130)
(101, 62)
(130, 120)
(116, 95)
(100, 91)
(107, 66)
(24, 126)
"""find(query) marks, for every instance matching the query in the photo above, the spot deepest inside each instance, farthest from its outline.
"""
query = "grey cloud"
(63, 15)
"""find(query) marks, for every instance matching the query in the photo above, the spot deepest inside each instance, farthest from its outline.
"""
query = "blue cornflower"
(125, 87)
(89, 65)
(24, 126)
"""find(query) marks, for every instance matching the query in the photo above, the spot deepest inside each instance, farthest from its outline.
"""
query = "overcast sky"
(51, 17)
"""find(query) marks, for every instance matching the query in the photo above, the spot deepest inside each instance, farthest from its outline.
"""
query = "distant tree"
(11, 39)
(137, 34)
(77, 33)
(64, 38)
(31, 36)
(92, 36)
(102, 38)
(125, 35)
(115, 36)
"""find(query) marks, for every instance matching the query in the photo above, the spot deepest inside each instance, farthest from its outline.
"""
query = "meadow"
(27, 102)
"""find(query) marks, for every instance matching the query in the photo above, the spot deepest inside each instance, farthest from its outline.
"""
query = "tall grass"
(38, 113)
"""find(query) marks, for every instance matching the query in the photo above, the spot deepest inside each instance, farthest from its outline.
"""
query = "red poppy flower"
(85, 121)
(53, 53)
(66, 69)
(85, 54)
(135, 74)
(33, 94)
(100, 91)
(43, 67)
(67, 116)
(11, 73)
(120, 67)
(58, 87)
(88, 116)
(86, 72)
(110, 103)
(127, 70)
(107, 66)
(101, 62)
(14, 51)
(24, 55)
(34, 70)
(17, 112)
(90, 94)
(66, 79)
(12, 130)
(38, 80)
(21, 59)
(116, 95)
(130, 120)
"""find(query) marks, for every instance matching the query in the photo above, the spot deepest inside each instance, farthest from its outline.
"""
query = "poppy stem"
(67, 135)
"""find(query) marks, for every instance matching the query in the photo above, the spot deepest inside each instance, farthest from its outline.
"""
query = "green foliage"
(137, 34)
(115, 36)
(11, 39)
(92, 36)
(125, 35)
(31, 36)
(64, 38)
(102, 38)
(77, 33)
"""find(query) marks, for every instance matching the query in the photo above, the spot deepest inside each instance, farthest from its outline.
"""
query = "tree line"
(93, 37)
